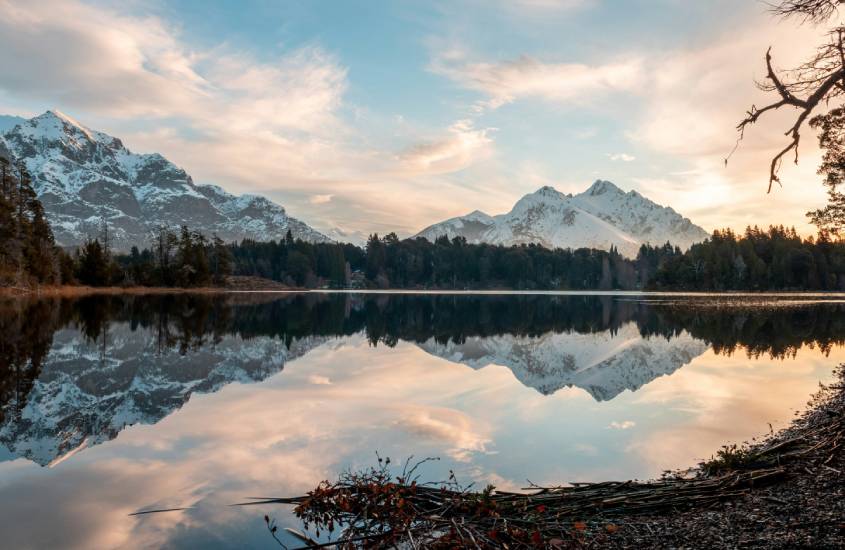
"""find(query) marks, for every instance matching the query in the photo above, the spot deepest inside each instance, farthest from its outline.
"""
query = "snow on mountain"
(604, 364)
(600, 217)
(83, 176)
(82, 398)
(8, 122)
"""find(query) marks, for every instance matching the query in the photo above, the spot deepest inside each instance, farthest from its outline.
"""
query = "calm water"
(112, 405)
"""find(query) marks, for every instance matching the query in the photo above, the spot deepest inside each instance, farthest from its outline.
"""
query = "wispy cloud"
(128, 66)
(504, 82)
(624, 425)
(534, 9)
(621, 157)
(321, 199)
(696, 97)
(448, 426)
(462, 145)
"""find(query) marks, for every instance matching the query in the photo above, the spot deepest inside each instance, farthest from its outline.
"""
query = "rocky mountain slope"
(83, 176)
(600, 217)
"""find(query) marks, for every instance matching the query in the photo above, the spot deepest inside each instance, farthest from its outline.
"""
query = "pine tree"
(93, 264)
(221, 260)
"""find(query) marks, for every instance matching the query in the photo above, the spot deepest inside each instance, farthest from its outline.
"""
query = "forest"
(772, 259)
(776, 258)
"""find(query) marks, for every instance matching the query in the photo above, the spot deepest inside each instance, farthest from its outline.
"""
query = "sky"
(379, 116)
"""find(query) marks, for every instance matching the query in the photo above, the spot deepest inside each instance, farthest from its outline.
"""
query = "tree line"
(187, 259)
(773, 259)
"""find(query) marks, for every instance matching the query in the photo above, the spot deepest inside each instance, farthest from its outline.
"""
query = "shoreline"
(74, 291)
(786, 490)
(234, 284)
(803, 509)
(263, 286)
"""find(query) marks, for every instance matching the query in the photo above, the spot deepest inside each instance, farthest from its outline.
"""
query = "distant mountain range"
(83, 176)
(600, 217)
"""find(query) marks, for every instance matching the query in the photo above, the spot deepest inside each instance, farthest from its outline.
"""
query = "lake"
(115, 404)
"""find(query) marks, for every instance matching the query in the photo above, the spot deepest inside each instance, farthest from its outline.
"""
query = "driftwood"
(374, 509)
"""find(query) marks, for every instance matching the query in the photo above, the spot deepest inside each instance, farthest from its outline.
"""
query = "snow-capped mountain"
(82, 398)
(600, 217)
(603, 364)
(83, 176)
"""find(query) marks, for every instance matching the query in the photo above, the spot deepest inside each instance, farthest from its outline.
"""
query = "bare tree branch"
(814, 11)
(819, 80)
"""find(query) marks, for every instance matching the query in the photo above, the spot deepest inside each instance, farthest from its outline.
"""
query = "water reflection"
(77, 372)
(197, 401)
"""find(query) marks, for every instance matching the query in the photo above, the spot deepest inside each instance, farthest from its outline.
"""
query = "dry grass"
(233, 284)
(74, 290)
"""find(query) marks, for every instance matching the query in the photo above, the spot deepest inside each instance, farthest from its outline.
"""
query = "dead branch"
(821, 79)
(376, 510)
(814, 11)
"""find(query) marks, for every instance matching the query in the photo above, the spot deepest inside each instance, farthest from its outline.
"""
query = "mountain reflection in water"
(75, 372)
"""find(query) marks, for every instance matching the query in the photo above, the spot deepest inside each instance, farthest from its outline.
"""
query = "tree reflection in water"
(186, 343)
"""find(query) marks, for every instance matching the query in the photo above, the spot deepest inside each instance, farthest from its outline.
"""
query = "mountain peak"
(90, 176)
(55, 113)
(54, 124)
(478, 215)
(600, 187)
(56, 116)
(548, 191)
(601, 217)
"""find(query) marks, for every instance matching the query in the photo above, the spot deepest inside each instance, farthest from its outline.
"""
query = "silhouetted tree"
(809, 88)
(93, 265)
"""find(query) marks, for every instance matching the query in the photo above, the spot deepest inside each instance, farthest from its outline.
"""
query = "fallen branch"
(376, 509)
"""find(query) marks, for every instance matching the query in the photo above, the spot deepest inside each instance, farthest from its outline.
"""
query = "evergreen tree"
(221, 260)
(93, 264)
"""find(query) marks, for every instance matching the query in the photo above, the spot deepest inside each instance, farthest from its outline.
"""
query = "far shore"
(233, 284)
(237, 284)
(74, 290)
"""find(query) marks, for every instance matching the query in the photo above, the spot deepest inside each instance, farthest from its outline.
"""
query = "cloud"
(586, 449)
(539, 10)
(696, 98)
(462, 145)
(504, 82)
(319, 380)
(133, 66)
(446, 426)
(321, 199)
(550, 4)
(623, 157)
(624, 425)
